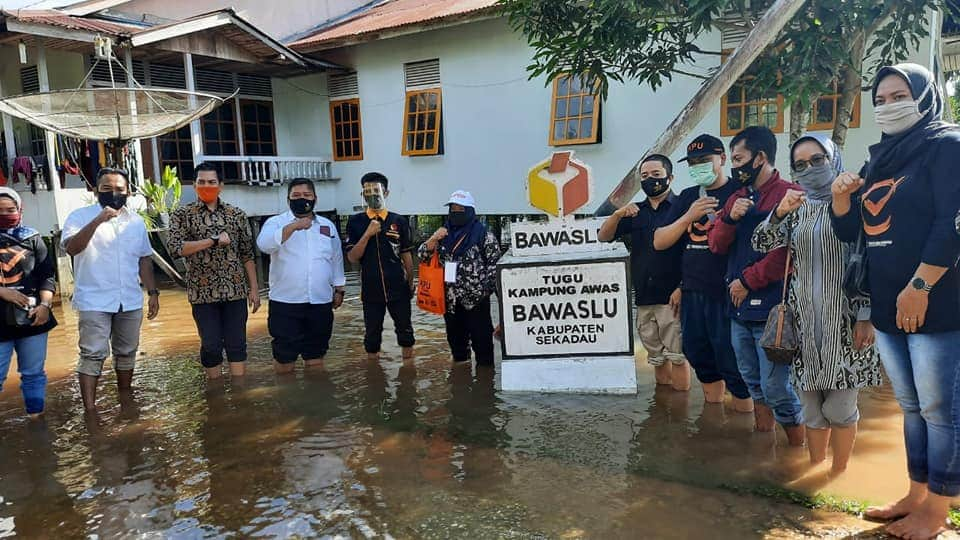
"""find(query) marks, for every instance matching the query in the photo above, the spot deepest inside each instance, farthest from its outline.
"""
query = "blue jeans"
(31, 354)
(925, 375)
(706, 341)
(768, 383)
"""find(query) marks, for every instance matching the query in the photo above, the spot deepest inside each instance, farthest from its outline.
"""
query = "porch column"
(8, 136)
(135, 143)
(196, 140)
(51, 143)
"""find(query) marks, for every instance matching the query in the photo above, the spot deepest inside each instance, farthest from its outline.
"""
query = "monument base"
(590, 375)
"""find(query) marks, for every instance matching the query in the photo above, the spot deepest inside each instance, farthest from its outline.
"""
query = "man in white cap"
(469, 254)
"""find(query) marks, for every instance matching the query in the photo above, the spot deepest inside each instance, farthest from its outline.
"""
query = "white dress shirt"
(107, 271)
(305, 268)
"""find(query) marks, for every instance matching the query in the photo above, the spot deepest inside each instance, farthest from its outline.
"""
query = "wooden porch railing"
(275, 170)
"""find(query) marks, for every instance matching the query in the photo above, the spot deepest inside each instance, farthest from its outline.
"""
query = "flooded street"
(377, 450)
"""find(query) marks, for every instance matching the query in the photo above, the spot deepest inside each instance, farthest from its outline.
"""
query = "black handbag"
(780, 339)
(14, 315)
(856, 283)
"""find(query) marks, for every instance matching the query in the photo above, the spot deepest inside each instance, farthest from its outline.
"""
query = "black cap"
(704, 145)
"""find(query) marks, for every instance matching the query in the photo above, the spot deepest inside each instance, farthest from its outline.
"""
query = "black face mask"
(301, 207)
(654, 187)
(112, 199)
(459, 219)
(747, 173)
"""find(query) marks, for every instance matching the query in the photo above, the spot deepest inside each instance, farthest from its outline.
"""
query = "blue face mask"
(702, 174)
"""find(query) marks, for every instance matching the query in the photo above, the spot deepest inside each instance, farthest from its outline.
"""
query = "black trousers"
(222, 327)
(468, 328)
(373, 315)
(300, 330)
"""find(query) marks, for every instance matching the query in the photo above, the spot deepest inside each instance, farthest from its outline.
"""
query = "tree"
(822, 47)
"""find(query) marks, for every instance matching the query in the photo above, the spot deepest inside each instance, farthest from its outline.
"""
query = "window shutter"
(101, 73)
(255, 85)
(165, 76)
(29, 79)
(218, 82)
(424, 74)
(343, 86)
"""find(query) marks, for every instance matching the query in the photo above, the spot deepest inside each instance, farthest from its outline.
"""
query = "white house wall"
(495, 121)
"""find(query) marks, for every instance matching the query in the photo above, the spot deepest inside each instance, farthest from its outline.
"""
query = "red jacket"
(757, 271)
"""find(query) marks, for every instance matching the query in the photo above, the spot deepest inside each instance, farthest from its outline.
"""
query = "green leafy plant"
(162, 197)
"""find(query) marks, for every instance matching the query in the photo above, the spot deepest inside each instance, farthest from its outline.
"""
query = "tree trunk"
(765, 31)
(848, 86)
(799, 115)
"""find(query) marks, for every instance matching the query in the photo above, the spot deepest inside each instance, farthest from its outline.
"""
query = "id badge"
(450, 272)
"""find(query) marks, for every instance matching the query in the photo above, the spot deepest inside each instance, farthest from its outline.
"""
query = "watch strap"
(153, 292)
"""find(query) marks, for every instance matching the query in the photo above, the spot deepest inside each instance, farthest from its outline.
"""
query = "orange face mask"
(208, 194)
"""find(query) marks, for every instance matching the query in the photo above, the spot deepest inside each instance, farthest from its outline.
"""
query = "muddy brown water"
(384, 450)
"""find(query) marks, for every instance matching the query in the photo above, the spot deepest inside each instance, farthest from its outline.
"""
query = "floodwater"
(387, 450)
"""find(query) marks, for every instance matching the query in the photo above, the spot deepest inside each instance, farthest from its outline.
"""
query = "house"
(433, 93)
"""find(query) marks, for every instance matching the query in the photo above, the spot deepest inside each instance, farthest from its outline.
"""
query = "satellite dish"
(111, 113)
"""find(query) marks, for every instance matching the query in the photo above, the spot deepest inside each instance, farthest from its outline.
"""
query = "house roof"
(50, 17)
(385, 18)
(221, 35)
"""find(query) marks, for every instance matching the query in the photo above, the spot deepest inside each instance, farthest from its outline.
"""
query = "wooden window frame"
(595, 115)
(436, 131)
(334, 104)
(727, 132)
(813, 125)
(173, 137)
(241, 124)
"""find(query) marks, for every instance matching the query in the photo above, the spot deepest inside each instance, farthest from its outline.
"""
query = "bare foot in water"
(927, 521)
(899, 509)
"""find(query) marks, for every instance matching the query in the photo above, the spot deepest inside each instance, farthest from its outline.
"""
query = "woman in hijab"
(469, 255)
(27, 285)
(836, 339)
(904, 206)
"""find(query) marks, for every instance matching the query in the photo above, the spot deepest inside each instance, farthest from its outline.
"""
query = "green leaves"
(162, 198)
(651, 40)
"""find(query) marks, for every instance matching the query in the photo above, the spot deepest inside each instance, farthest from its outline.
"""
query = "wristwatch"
(47, 305)
(153, 292)
(216, 241)
(919, 284)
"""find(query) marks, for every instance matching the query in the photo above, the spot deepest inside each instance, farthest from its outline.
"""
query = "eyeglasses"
(815, 160)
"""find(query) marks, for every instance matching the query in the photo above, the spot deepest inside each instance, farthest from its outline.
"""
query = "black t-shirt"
(703, 270)
(27, 266)
(382, 277)
(655, 274)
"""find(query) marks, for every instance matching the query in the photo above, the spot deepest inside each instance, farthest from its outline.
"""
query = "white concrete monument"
(565, 296)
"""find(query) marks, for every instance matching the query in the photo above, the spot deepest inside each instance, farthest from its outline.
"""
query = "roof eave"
(415, 28)
(50, 31)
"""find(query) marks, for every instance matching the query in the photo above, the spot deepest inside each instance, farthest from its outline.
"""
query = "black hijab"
(889, 156)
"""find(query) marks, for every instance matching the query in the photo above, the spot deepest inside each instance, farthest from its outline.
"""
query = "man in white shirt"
(306, 279)
(111, 256)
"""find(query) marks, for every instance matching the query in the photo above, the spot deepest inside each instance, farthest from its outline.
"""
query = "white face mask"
(895, 118)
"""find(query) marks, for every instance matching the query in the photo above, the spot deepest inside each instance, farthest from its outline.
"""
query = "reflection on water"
(417, 450)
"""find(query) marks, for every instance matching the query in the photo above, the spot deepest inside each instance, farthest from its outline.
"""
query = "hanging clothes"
(22, 165)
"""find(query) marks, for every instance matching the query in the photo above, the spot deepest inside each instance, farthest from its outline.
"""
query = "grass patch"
(813, 502)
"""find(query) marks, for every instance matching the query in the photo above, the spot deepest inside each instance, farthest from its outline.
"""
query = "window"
(422, 115)
(421, 131)
(823, 115)
(345, 123)
(220, 138)
(743, 106)
(176, 151)
(574, 112)
(258, 137)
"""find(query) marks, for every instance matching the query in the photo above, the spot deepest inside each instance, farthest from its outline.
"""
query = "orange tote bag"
(430, 293)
